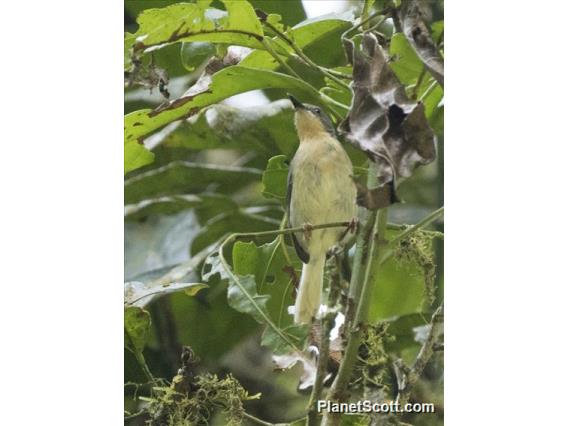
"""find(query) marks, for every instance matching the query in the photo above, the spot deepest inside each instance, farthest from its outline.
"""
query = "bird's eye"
(317, 110)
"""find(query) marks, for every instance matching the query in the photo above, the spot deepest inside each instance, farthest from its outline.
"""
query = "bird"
(320, 190)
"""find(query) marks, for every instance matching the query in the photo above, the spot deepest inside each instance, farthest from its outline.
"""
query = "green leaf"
(267, 263)
(212, 204)
(136, 328)
(433, 95)
(402, 328)
(139, 294)
(182, 177)
(274, 178)
(225, 83)
(266, 129)
(291, 11)
(136, 156)
(247, 301)
(406, 64)
(194, 22)
(401, 291)
(297, 333)
(195, 54)
(129, 40)
(308, 34)
(437, 30)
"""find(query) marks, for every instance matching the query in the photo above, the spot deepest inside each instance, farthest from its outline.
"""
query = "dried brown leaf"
(384, 123)
(420, 39)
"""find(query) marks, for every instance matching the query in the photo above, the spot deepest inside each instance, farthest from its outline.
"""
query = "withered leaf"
(384, 123)
(420, 39)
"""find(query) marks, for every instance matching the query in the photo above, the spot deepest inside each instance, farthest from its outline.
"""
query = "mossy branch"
(407, 377)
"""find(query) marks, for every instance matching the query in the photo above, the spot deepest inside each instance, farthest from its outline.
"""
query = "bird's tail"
(308, 299)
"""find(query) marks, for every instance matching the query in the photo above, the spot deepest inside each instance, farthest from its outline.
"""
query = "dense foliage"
(209, 276)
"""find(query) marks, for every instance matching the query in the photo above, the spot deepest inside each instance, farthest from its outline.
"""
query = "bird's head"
(311, 121)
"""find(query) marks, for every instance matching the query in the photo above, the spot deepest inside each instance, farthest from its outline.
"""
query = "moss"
(209, 395)
(417, 250)
(373, 370)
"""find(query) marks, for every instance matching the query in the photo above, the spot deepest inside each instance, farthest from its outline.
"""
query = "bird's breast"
(323, 189)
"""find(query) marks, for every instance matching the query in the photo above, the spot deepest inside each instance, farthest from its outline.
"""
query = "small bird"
(320, 190)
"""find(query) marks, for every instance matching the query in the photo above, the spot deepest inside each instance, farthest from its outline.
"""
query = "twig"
(256, 420)
(407, 377)
(304, 57)
(281, 61)
(421, 224)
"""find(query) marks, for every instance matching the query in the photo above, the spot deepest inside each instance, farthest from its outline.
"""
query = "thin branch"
(281, 61)
(421, 224)
(305, 58)
(407, 377)
(256, 420)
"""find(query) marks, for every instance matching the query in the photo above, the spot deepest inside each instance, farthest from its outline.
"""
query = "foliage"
(205, 186)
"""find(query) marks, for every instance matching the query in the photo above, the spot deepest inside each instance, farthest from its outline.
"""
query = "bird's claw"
(353, 225)
(308, 228)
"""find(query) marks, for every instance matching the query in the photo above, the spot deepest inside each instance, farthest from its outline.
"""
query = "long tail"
(309, 294)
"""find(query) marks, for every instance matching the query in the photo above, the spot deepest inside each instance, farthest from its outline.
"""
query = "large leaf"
(291, 11)
(195, 22)
(182, 177)
(212, 204)
(136, 156)
(267, 128)
(245, 298)
(139, 294)
(405, 63)
(225, 83)
(308, 34)
(391, 129)
(136, 328)
(267, 264)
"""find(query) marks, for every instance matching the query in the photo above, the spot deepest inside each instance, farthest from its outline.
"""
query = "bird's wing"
(300, 251)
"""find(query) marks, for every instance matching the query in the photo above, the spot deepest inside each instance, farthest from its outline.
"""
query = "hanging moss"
(417, 250)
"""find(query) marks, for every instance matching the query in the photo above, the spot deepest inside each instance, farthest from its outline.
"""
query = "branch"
(256, 420)
(370, 237)
(304, 57)
(327, 323)
(421, 224)
(407, 377)
(281, 61)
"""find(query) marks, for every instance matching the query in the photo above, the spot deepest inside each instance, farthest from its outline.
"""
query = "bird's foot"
(308, 228)
(352, 227)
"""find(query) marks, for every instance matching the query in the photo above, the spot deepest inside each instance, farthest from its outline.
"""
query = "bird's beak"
(297, 104)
